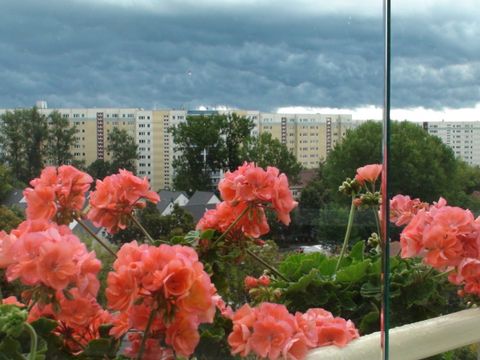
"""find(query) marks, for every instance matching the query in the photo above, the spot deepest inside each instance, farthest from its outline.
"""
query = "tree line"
(30, 140)
(208, 145)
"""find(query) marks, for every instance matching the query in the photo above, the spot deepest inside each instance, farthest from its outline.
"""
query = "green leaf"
(369, 322)
(302, 284)
(44, 326)
(104, 330)
(10, 349)
(353, 273)
(327, 267)
(207, 234)
(369, 290)
(98, 348)
(356, 254)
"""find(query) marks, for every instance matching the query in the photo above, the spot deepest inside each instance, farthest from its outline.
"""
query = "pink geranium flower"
(116, 197)
(57, 193)
(251, 189)
(368, 173)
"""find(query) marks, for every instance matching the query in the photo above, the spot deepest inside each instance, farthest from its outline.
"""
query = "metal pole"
(384, 313)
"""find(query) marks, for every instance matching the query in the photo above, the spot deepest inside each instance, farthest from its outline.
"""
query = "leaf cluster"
(354, 292)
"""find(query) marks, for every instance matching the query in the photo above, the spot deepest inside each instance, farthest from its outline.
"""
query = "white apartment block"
(310, 137)
(463, 137)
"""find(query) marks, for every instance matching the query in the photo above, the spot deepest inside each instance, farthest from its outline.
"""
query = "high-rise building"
(310, 137)
(463, 137)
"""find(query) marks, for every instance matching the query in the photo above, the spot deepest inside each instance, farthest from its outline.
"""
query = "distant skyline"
(266, 55)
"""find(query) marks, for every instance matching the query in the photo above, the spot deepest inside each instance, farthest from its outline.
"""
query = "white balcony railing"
(413, 341)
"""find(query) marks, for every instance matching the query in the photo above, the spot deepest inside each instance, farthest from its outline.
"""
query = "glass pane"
(434, 166)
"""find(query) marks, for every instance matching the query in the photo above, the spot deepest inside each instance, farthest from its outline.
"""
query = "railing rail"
(413, 341)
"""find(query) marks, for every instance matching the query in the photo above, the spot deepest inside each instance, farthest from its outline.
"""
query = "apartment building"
(310, 137)
(463, 137)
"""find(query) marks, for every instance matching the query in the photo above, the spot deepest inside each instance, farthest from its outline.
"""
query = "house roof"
(167, 197)
(201, 198)
(197, 211)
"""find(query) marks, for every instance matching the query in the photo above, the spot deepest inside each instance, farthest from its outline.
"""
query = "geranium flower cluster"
(403, 209)
(52, 259)
(448, 238)
(57, 194)
(249, 189)
(79, 318)
(116, 197)
(168, 283)
(43, 253)
(271, 332)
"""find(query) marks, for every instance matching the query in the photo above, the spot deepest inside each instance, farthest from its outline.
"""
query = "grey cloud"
(99, 55)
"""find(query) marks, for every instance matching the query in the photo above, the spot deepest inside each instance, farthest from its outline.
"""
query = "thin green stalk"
(140, 226)
(426, 273)
(232, 225)
(87, 229)
(145, 334)
(347, 234)
(443, 273)
(263, 262)
(377, 221)
(33, 341)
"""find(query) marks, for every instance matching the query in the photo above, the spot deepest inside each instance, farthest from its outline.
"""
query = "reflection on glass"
(434, 70)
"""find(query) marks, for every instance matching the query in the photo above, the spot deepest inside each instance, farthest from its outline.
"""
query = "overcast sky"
(264, 55)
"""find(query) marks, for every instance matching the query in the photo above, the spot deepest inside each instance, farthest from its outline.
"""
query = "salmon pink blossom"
(368, 173)
(271, 332)
(167, 281)
(403, 209)
(246, 192)
(57, 193)
(47, 254)
(116, 197)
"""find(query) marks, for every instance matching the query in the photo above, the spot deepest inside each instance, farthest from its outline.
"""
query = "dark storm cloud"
(74, 54)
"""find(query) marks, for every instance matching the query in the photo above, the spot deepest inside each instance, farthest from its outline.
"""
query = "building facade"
(463, 137)
(310, 137)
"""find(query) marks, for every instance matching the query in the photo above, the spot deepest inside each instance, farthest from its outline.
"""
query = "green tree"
(61, 139)
(13, 142)
(202, 152)
(315, 195)
(237, 133)
(421, 165)
(23, 135)
(123, 149)
(99, 169)
(267, 151)
(208, 144)
(179, 222)
(35, 130)
(9, 219)
(6, 182)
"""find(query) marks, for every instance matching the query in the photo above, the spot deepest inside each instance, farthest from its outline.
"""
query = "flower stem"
(145, 334)
(33, 341)
(347, 234)
(263, 262)
(442, 273)
(87, 229)
(140, 226)
(232, 225)
(377, 221)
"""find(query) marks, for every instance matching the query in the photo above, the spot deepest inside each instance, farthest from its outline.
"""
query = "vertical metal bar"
(385, 212)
